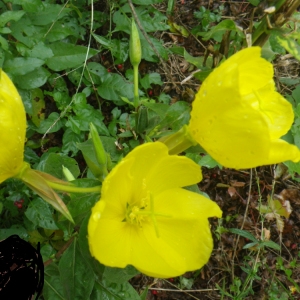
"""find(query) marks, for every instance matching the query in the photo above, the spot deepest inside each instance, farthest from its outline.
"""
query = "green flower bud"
(135, 50)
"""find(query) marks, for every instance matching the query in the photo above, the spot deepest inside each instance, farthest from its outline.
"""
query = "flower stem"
(74, 189)
(136, 86)
(178, 141)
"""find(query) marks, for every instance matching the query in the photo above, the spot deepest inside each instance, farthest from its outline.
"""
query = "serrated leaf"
(53, 165)
(40, 214)
(114, 87)
(77, 278)
(70, 141)
(68, 56)
(152, 78)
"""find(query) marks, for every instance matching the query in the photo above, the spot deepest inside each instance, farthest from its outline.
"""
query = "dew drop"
(204, 93)
(96, 216)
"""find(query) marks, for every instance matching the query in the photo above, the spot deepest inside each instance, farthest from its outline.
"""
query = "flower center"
(138, 214)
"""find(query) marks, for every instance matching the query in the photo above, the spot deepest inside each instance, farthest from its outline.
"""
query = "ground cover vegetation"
(74, 65)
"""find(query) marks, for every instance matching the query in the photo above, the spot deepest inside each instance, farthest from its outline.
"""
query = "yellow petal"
(185, 241)
(238, 117)
(12, 128)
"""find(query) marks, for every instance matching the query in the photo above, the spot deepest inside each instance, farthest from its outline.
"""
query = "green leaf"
(118, 275)
(114, 87)
(244, 234)
(22, 65)
(196, 61)
(32, 80)
(88, 152)
(10, 16)
(81, 203)
(152, 78)
(68, 56)
(114, 291)
(14, 229)
(254, 2)
(51, 122)
(53, 289)
(48, 13)
(290, 45)
(271, 244)
(70, 141)
(40, 214)
(216, 32)
(54, 162)
(176, 116)
(77, 277)
(40, 50)
(37, 106)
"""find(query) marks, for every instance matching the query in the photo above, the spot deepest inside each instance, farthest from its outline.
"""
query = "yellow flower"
(12, 129)
(238, 117)
(146, 219)
(12, 138)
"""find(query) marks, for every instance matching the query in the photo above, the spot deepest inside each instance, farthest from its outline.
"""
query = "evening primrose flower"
(12, 129)
(238, 117)
(146, 219)
(12, 138)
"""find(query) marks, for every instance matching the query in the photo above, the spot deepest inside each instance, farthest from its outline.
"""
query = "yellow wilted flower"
(146, 219)
(238, 117)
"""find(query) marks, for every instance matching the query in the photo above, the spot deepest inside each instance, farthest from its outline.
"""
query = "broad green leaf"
(152, 78)
(148, 53)
(22, 65)
(118, 275)
(14, 229)
(40, 50)
(177, 115)
(53, 165)
(85, 251)
(95, 72)
(40, 214)
(159, 108)
(254, 2)
(33, 79)
(53, 289)
(52, 123)
(10, 16)
(81, 203)
(59, 31)
(90, 158)
(68, 56)
(114, 291)
(114, 87)
(77, 277)
(48, 13)
(70, 140)
(29, 5)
